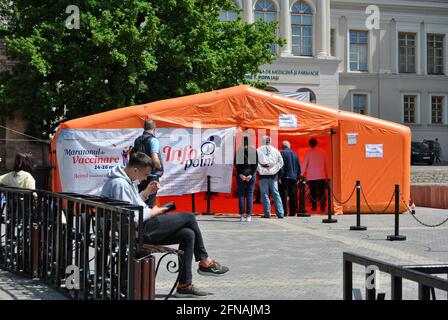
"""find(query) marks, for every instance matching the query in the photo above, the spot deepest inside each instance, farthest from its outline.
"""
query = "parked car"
(420, 153)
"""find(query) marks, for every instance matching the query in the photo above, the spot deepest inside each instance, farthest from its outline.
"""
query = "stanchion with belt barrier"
(397, 236)
(193, 203)
(330, 209)
(358, 226)
(302, 206)
(209, 195)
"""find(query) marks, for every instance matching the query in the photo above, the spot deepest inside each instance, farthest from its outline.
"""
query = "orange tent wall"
(247, 107)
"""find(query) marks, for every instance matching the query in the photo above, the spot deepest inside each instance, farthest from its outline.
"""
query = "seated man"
(160, 228)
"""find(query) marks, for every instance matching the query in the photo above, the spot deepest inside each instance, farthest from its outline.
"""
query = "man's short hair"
(139, 159)
(149, 125)
(313, 142)
(267, 140)
(286, 144)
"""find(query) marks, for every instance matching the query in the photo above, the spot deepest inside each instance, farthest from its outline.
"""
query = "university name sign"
(310, 76)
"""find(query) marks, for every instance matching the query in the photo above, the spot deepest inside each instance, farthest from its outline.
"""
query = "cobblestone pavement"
(301, 258)
(429, 174)
(13, 287)
(291, 258)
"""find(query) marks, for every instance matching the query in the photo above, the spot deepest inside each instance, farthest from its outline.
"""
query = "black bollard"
(302, 207)
(330, 209)
(193, 203)
(397, 236)
(209, 195)
(358, 226)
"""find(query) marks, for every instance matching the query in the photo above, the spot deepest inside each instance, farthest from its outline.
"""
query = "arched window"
(302, 29)
(271, 89)
(310, 92)
(229, 15)
(267, 12)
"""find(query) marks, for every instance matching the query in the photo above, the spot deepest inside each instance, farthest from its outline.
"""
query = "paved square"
(301, 258)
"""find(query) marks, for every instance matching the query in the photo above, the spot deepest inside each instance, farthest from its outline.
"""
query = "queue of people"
(279, 173)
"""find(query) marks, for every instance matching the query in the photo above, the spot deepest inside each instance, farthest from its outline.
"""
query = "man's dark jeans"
(246, 194)
(178, 228)
(288, 188)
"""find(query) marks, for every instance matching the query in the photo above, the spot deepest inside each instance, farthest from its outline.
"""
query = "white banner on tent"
(85, 157)
(190, 155)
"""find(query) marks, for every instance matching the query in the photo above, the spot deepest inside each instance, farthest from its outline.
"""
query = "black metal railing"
(83, 245)
(421, 274)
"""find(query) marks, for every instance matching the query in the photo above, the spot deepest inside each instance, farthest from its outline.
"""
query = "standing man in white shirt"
(315, 171)
(270, 162)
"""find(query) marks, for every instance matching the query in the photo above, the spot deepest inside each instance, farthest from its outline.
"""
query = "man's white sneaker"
(242, 219)
(249, 218)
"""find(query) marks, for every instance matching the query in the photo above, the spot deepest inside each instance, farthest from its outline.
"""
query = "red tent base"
(220, 205)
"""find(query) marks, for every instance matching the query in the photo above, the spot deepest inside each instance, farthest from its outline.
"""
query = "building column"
(344, 47)
(393, 36)
(323, 30)
(423, 52)
(285, 28)
(328, 28)
(248, 11)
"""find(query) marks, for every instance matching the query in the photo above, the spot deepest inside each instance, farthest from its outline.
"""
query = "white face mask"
(136, 182)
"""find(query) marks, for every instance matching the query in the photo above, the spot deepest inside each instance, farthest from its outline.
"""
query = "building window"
(360, 103)
(229, 15)
(409, 108)
(358, 50)
(332, 42)
(406, 54)
(310, 92)
(266, 11)
(271, 89)
(435, 54)
(302, 29)
(437, 109)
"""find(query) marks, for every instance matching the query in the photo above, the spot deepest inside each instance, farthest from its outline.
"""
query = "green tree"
(124, 53)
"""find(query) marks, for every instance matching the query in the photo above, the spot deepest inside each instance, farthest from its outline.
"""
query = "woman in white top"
(21, 176)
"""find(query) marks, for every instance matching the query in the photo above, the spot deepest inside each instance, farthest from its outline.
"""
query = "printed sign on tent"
(374, 150)
(85, 158)
(287, 121)
(190, 155)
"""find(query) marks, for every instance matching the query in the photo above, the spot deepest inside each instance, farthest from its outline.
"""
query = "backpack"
(141, 144)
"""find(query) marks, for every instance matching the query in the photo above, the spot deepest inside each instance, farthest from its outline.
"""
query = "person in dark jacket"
(246, 162)
(289, 177)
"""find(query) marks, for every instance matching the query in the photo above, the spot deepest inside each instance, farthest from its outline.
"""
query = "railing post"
(302, 207)
(358, 226)
(371, 292)
(330, 209)
(396, 288)
(423, 292)
(347, 279)
(397, 236)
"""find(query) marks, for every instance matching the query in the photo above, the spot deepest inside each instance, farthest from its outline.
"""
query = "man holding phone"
(159, 228)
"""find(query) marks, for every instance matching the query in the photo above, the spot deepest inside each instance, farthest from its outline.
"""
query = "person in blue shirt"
(149, 144)
(289, 176)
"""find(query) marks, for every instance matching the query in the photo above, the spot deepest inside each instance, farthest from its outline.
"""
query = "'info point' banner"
(189, 155)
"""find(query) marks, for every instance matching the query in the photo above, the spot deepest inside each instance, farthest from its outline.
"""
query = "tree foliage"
(124, 53)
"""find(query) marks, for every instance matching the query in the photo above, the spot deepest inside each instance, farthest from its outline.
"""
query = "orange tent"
(373, 151)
